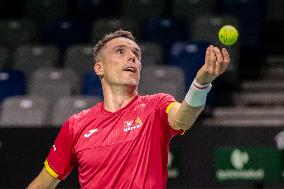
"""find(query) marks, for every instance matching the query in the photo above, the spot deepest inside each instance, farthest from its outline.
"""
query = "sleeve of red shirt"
(165, 101)
(61, 160)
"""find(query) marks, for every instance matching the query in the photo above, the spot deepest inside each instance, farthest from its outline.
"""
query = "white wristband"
(196, 95)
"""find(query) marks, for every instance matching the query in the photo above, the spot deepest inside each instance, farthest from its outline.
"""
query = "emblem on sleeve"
(54, 147)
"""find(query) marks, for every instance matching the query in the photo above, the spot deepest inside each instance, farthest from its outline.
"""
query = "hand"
(216, 63)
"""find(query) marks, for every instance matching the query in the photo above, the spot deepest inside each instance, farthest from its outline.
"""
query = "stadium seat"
(263, 85)
(91, 10)
(92, 85)
(244, 112)
(210, 25)
(30, 58)
(79, 58)
(251, 17)
(103, 26)
(64, 33)
(190, 9)
(142, 9)
(69, 105)
(4, 58)
(189, 57)
(274, 73)
(249, 122)
(15, 32)
(274, 13)
(162, 79)
(24, 111)
(53, 83)
(165, 32)
(46, 10)
(12, 83)
(152, 53)
(266, 98)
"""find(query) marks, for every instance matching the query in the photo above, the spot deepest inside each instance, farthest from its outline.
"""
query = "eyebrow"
(124, 46)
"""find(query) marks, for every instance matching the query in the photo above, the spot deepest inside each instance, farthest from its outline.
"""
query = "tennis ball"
(228, 35)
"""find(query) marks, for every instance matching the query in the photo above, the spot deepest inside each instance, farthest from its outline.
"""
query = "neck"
(117, 97)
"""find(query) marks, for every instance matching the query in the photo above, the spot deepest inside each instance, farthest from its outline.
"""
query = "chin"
(131, 83)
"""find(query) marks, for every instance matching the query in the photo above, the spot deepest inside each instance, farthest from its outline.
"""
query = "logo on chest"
(131, 125)
(87, 135)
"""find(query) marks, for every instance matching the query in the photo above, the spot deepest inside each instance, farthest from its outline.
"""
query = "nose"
(131, 56)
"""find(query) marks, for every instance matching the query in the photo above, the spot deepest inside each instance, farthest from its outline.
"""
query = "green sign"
(248, 164)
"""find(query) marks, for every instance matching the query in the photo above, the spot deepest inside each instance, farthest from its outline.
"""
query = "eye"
(137, 54)
(119, 51)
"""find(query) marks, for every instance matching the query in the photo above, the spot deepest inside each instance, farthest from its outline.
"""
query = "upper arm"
(44, 181)
(172, 111)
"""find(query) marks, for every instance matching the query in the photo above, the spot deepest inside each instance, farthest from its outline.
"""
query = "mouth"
(131, 69)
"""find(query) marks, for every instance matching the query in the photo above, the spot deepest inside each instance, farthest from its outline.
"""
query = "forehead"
(121, 41)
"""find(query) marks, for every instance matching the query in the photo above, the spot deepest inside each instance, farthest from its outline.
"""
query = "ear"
(98, 67)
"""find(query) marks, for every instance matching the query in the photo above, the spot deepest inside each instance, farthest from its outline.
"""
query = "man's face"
(120, 62)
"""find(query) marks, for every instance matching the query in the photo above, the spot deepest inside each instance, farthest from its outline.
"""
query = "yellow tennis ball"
(228, 35)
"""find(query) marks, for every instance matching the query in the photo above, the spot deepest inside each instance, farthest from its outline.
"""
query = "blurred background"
(46, 75)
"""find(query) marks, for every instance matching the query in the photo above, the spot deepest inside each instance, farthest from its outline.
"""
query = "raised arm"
(43, 181)
(183, 115)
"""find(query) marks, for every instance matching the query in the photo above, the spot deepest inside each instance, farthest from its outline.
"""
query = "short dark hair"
(110, 36)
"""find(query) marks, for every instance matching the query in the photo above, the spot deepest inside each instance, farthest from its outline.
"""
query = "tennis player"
(123, 142)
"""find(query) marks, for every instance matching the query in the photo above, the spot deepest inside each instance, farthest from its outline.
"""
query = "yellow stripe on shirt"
(170, 106)
(168, 110)
(50, 170)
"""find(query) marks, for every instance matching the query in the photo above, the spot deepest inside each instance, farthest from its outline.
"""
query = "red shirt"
(124, 149)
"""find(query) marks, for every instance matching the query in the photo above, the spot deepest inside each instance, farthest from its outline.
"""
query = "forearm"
(182, 116)
(43, 181)
(186, 116)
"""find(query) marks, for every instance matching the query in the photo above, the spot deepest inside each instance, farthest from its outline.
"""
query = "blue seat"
(165, 31)
(92, 85)
(64, 33)
(90, 9)
(12, 83)
(189, 57)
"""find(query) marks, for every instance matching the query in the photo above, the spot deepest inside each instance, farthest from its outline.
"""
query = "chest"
(107, 130)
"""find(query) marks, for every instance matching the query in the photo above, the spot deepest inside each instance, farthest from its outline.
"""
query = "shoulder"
(79, 120)
(157, 100)
(156, 96)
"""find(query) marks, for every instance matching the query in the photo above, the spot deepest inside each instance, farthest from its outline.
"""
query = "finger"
(219, 61)
(207, 57)
(212, 60)
(226, 57)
